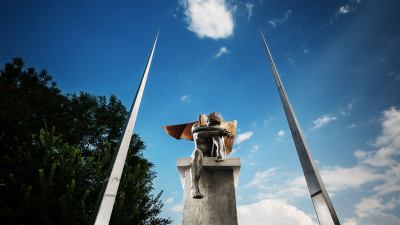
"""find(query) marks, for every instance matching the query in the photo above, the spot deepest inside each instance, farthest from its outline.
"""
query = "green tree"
(55, 154)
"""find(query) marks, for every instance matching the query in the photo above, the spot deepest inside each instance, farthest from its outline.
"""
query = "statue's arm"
(207, 128)
(210, 131)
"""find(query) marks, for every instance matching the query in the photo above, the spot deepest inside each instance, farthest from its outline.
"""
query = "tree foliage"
(56, 150)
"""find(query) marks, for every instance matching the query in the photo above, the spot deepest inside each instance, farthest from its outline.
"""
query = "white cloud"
(170, 200)
(272, 211)
(280, 135)
(276, 21)
(254, 149)
(373, 205)
(360, 155)
(243, 137)
(388, 143)
(277, 184)
(249, 8)
(344, 9)
(177, 208)
(261, 177)
(185, 99)
(380, 166)
(323, 120)
(209, 18)
(350, 6)
(221, 51)
(391, 182)
(341, 178)
(351, 221)
(390, 128)
(378, 170)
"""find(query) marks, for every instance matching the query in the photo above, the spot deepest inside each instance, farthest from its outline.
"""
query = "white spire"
(109, 190)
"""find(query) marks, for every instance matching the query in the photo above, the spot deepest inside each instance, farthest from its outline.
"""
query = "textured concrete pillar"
(217, 184)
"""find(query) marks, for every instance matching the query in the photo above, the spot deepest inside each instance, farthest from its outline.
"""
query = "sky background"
(339, 60)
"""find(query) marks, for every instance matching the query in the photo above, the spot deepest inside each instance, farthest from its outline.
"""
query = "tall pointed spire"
(322, 203)
(109, 190)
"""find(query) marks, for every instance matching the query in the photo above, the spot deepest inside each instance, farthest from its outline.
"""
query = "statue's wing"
(231, 127)
(180, 131)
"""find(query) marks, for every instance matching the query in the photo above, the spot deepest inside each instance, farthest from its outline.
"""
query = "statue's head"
(214, 118)
(203, 119)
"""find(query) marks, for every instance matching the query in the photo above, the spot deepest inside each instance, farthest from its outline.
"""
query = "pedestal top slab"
(209, 163)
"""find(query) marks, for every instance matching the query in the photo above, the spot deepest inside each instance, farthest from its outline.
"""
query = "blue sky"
(339, 60)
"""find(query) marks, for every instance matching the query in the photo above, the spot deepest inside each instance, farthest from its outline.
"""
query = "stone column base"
(217, 184)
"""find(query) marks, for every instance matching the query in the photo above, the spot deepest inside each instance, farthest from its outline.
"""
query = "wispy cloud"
(185, 99)
(169, 200)
(277, 21)
(177, 208)
(323, 120)
(346, 111)
(261, 177)
(209, 18)
(267, 121)
(344, 9)
(254, 149)
(280, 135)
(244, 137)
(221, 51)
(350, 6)
(249, 9)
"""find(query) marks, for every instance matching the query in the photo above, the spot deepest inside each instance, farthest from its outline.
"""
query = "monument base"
(217, 184)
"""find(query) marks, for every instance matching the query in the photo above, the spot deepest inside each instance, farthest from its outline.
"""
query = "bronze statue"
(212, 137)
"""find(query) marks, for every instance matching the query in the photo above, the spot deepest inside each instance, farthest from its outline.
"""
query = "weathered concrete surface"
(217, 183)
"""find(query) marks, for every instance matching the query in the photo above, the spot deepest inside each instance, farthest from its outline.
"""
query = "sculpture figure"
(208, 139)
(212, 137)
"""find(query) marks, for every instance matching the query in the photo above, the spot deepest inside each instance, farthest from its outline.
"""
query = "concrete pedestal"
(217, 184)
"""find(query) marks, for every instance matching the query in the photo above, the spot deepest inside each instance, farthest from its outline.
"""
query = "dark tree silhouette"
(56, 151)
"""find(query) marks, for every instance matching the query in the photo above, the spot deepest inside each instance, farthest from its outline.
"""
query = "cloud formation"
(209, 18)
(243, 137)
(323, 120)
(350, 6)
(169, 200)
(185, 99)
(221, 51)
(177, 208)
(378, 170)
(346, 111)
(249, 9)
(344, 9)
(261, 177)
(272, 211)
(277, 21)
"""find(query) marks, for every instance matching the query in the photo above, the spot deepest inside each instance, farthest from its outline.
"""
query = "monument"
(105, 202)
(319, 195)
(208, 178)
